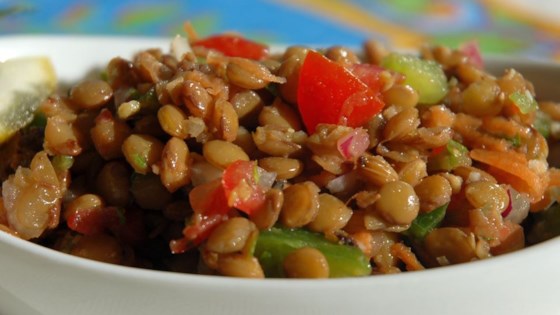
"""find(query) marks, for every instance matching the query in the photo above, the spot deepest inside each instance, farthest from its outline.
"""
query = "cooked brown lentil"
(306, 262)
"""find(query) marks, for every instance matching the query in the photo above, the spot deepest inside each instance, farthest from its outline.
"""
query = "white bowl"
(38, 280)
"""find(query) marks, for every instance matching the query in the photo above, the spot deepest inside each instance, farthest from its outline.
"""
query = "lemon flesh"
(24, 83)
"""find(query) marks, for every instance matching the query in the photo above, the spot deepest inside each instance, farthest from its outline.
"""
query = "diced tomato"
(241, 186)
(198, 230)
(369, 74)
(437, 150)
(330, 93)
(234, 46)
(209, 198)
(95, 220)
(210, 207)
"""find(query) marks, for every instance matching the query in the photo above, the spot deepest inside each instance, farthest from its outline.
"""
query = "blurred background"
(528, 28)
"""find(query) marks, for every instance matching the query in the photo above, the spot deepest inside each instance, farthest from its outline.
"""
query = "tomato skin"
(210, 206)
(209, 199)
(369, 74)
(234, 46)
(199, 229)
(329, 93)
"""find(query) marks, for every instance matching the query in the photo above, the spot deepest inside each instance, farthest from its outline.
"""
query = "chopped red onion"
(354, 144)
(343, 183)
(518, 207)
(265, 179)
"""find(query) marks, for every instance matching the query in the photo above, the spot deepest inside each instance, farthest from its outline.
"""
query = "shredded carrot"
(542, 204)
(405, 254)
(468, 127)
(467, 121)
(501, 126)
(364, 240)
(190, 31)
(512, 168)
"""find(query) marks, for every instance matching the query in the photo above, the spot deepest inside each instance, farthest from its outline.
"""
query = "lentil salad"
(333, 183)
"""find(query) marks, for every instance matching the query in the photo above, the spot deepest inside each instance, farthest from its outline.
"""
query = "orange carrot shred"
(405, 254)
(190, 31)
(363, 240)
(512, 168)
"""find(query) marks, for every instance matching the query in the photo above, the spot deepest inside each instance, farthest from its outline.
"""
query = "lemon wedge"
(24, 83)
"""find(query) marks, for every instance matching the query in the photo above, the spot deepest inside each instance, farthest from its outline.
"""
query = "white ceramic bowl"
(37, 280)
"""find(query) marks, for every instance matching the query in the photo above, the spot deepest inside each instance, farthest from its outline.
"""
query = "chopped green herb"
(149, 100)
(515, 141)
(524, 101)
(455, 150)
(140, 160)
(426, 222)
(62, 162)
(133, 94)
(454, 155)
(542, 123)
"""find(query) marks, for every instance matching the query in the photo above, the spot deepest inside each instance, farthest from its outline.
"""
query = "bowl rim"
(41, 252)
(520, 257)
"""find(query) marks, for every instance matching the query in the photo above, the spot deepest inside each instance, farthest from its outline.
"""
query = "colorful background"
(522, 27)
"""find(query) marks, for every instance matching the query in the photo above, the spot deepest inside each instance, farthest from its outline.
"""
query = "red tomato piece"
(330, 93)
(234, 46)
(209, 199)
(369, 74)
(95, 221)
(241, 185)
(196, 232)
(199, 229)
(438, 150)
(210, 207)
